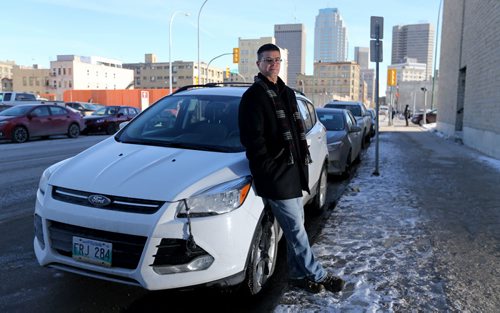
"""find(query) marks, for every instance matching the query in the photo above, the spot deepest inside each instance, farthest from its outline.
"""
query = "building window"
(69, 71)
(70, 84)
(25, 82)
(59, 71)
(64, 71)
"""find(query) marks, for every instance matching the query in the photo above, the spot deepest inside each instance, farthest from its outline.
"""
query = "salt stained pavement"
(379, 245)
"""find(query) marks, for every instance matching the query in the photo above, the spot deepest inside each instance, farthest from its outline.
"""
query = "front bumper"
(226, 238)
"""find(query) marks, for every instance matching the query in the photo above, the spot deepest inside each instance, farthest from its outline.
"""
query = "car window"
(332, 121)
(350, 119)
(41, 111)
(312, 112)
(355, 109)
(306, 116)
(16, 111)
(55, 110)
(203, 122)
(123, 111)
(7, 96)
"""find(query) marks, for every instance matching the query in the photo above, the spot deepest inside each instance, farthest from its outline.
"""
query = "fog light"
(198, 264)
(37, 221)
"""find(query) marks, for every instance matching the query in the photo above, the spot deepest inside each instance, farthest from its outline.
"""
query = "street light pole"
(199, 12)
(424, 119)
(170, 49)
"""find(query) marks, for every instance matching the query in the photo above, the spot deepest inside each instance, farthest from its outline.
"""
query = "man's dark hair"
(267, 47)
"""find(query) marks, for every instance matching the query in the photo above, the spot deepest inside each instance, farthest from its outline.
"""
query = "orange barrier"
(139, 98)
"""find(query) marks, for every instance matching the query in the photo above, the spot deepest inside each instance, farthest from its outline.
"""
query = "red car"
(108, 119)
(22, 122)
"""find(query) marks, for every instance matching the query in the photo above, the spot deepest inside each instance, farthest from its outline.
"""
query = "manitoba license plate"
(92, 251)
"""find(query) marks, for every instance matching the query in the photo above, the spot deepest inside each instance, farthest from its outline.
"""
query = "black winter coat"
(263, 139)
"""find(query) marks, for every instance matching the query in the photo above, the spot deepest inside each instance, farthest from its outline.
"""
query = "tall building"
(413, 41)
(248, 56)
(330, 37)
(362, 57)
(293, 38)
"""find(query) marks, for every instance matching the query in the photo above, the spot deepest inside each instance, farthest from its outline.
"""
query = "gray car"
(344, 139)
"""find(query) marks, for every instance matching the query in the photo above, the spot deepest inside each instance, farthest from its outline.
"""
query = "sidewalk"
(422, 236)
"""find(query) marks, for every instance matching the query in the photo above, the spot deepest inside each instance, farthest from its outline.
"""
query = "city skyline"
(126, 30)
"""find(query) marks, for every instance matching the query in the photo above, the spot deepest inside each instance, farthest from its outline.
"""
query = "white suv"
(168, 202)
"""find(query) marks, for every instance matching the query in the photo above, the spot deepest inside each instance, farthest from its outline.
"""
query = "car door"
(316, 140)
(355, 138)
(60, 119)
(39, 121)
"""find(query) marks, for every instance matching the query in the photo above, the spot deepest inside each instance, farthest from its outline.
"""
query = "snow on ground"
(378, 245)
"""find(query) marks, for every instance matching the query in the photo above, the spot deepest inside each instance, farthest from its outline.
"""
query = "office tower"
(293, 38)
(413, 41)
(330, 37)
(362, 57)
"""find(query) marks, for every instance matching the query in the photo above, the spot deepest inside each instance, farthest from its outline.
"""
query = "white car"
(168, 201)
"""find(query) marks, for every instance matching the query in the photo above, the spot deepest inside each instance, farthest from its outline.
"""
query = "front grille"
(127, 249)
(123, 204)
(176, 252)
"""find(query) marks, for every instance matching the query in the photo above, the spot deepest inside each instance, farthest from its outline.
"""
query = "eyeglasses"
(271, 60)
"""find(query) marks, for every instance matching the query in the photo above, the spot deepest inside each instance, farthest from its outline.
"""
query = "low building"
(31, 79)
(156, 75)
(88, 73)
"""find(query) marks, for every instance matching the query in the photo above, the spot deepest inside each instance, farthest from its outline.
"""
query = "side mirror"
(354, 129)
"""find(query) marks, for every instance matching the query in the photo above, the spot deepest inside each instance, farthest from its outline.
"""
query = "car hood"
(6, 118)
(334, 135)
(147, 172)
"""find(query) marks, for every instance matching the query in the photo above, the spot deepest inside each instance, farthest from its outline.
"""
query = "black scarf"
(285, 126)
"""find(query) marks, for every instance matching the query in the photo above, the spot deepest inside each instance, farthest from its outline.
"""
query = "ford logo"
(98, 200)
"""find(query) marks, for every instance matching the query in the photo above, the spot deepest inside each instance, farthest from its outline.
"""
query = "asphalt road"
(27, 287)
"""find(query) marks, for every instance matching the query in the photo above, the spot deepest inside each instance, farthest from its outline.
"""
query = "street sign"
(376, 51)
(392, 77)
(376, 27)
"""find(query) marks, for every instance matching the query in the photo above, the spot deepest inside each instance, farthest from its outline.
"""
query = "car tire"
(363, 140)
(20, 134)
(319, 201)
(263, 254)
(111, 129)
(73, 131)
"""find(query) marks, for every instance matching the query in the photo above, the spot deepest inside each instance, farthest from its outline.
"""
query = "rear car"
(85, 108)
(107, 119)
(344, 139)
(22, 122)
(168, 202)
(358, 110)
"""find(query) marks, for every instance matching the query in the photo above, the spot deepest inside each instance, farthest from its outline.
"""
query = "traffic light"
(227, 72)
(391, 77)
(236, 55)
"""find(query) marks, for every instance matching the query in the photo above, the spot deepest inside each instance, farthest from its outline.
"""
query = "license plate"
(92, 251)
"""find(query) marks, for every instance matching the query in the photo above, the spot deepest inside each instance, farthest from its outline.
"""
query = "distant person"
(276, 148)
(407, 113)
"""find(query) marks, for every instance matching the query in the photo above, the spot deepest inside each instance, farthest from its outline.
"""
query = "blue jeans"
(301, 262)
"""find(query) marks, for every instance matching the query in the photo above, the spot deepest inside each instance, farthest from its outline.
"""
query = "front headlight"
(335, 145)
(216, 200)
(43, 183)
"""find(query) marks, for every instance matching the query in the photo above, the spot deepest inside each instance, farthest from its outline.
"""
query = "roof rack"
(210, 85)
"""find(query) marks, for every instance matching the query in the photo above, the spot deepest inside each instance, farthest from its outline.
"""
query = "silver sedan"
(344, 139)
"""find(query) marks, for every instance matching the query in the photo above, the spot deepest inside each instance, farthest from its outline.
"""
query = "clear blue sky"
(36, 31)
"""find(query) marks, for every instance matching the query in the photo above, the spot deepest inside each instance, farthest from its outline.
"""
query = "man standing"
(407, 113)
(273, 134)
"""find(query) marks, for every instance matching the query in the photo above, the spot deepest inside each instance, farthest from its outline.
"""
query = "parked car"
(24, 121)
(85, 108)
(14, 98)
(344, 139)
(358, 110)
(108, 119)
(374, 117)
(383, 110)
(430, 117)
(168, 202)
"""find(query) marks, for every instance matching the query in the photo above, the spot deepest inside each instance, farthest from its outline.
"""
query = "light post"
(424, 119)
(199, 12)
(170, 49)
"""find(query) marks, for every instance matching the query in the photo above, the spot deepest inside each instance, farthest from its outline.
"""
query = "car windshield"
(332, 121)
(355, 110)
(88, 106)
(16, 110)
(106, 111)
(200, 122)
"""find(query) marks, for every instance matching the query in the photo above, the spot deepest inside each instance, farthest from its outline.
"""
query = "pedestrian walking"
(273, 134)
(407, 113)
